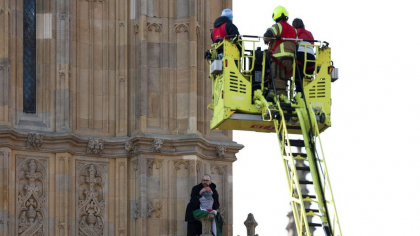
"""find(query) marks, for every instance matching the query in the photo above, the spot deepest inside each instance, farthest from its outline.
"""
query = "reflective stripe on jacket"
(282, 29)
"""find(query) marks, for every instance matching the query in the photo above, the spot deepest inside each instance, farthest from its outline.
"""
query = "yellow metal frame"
(232, 90)
(236, 106)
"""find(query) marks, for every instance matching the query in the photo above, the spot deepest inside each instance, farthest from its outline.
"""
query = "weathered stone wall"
(121, 131)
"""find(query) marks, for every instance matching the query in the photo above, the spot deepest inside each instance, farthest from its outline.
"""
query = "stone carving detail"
(129, 146)
(135, 164)
(136, 210)
(250, 224)
(95, 146)
(182, 27)
(221, 150)
(157, 145)
(136, 28)
(91, 202)
(61, 225)
(31, 198)
(63, 16)
(121, 23)
(179, 163)
(198, 30)
(198, 166)
(1, 10)
(156, 26)
(156, 208)
(157, 163)
(34, 141)
(62, 72)
(219, 170)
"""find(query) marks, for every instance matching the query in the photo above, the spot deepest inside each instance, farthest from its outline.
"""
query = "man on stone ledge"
(204, 197)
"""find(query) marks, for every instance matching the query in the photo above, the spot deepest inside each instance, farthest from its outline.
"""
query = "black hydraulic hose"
(313, 147)
(250, 36)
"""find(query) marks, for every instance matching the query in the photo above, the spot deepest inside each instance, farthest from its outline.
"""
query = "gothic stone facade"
(120, 128)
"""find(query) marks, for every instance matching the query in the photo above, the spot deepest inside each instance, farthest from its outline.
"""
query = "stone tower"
(104, 126)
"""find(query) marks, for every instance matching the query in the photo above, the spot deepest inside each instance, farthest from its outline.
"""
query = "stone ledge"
(165, 145)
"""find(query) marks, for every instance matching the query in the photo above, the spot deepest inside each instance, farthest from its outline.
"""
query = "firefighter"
(308, 39)
(282, 51)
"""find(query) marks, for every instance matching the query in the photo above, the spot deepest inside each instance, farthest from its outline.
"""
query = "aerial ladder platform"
(245, 98)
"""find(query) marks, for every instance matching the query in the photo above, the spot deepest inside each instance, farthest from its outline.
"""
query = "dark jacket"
(230, 28)
(194, 203)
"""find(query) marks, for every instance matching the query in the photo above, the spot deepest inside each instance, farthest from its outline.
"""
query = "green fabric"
(219, 232)
(198, 214)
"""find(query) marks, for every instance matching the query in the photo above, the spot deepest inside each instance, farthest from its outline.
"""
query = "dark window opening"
(29, 56)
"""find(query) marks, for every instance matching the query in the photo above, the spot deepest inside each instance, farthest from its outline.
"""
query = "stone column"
(5, 188)
(206, 223)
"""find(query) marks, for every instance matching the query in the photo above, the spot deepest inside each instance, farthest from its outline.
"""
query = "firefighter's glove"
(207, 55)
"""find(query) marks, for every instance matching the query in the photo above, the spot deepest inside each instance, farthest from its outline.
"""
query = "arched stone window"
(29, 56)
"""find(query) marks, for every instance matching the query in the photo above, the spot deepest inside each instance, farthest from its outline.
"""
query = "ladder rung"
(293, 127)
(299, 154)
(314, 225)
(288, 109)
(283, 104)
(313, 210)
(287, 116)
(305, 182)
(296, 142)
(309, 196)
(303, 168)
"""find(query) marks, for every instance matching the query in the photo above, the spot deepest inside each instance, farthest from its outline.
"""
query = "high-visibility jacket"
(304, 45)
(280, 48)
(305, 34)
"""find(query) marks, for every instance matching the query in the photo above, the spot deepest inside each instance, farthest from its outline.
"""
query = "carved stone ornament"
(181, 162)
(91, 202)
(34, 141)
(95, 146)
(136, 210)
(221, 150)
(136, 28)
(31, 198)
(135, 164)
(182, 27)
(157, 145)
(63, 16)
(157, 163)
(156, 208)
(250, 224)
(198, 30)
(156, 27)
(129, 146)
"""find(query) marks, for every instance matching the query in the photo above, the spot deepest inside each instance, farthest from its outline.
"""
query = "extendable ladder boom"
(241, 102)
